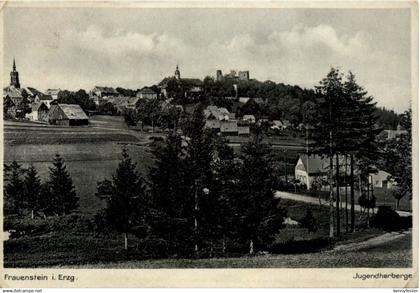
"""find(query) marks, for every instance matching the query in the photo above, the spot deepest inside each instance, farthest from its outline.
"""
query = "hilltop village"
(191, 167)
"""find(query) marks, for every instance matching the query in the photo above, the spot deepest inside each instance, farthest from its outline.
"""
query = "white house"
(309, 168)
(382, 180)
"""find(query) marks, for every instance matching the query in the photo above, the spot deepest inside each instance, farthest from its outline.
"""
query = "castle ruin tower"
(177, 73)
(14, 76)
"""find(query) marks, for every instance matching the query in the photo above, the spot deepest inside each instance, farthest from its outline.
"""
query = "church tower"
(177, 73)
(14, 76)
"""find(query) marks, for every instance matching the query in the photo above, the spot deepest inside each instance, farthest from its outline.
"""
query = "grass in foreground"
(393, 254)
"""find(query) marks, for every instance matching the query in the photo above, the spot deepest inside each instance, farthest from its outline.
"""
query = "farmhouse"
(67, 114)
(309, 168)
(39, 112)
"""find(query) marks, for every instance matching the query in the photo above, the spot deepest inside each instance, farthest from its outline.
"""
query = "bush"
(309, 221)
(301, 246)
(389, 220)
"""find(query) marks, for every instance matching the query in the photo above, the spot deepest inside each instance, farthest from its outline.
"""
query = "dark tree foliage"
(258, 215)
(63, 195)
(107, 109)
(397, 156)
(79, 97)
(32, 191)
(126, 92)
(130, 117)
(309, 221)
(387, 119)
(171, 195)
(127, 204)
(13, 189)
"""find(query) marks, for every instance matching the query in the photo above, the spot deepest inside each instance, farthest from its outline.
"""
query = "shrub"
(389, 220)
(309, 221)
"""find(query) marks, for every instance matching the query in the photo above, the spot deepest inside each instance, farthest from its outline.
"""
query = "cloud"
(94, 39)
(300, 55)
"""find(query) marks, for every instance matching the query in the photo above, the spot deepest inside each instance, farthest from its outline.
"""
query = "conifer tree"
(170, 185)
(32, 190)
(64, 196)
(258, 214)
(326, 138)
(359, 134)
(127, 204)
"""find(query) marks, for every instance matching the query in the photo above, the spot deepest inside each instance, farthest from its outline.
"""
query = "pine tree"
(219, 220)
(173, 201)
(200, 158)
(64, 196)
(258, 216)
(327, 136)
(127, 204)
(13, 189)
(32, 191)
(360, 133)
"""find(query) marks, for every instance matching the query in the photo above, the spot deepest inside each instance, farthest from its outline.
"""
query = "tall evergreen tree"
(359, 133)
(32, 191)
(258, 214)
(326, 138)
(64, 196)
(127, 204)
(170, 185)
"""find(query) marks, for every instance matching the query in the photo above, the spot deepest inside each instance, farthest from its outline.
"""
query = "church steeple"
(14, 76)
(177, 73)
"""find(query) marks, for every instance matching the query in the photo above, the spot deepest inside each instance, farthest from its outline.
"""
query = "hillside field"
(91, 153)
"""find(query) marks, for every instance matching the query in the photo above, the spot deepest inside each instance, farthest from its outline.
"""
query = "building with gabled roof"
(308, 168)
(67, 114)
(39, 112)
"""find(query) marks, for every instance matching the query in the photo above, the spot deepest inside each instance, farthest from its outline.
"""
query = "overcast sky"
(76, 48)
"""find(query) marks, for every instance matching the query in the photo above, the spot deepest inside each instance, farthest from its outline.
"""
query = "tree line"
(24, 191)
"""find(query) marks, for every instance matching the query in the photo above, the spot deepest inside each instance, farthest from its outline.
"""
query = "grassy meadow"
(91, 153)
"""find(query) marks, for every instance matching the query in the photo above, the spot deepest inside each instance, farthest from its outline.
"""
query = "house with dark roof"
(309, 168)
(44, 98)
(39, 112)
(67, 114)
